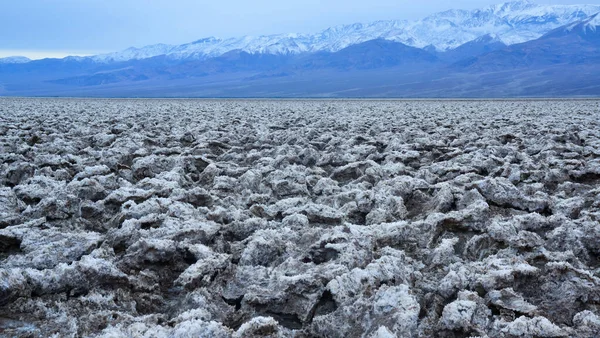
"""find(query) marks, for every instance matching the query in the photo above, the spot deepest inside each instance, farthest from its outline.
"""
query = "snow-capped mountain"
(14, 59)
(585, 30)
(562, 62)
(588, 26)
(511, 23)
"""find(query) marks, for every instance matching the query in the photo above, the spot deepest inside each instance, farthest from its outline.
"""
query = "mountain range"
(515, 49)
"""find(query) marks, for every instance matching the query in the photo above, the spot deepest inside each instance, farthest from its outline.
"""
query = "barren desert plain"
(299, 218)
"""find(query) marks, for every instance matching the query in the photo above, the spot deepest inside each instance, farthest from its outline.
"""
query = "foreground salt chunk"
(537, 326)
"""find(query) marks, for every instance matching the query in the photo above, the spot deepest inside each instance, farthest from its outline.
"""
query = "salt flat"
(251, 218)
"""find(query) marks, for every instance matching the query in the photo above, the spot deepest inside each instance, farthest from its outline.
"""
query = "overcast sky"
(53, 28)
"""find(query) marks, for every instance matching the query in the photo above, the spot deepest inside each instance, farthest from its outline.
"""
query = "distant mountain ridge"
(563, 61)
(510, 23)
(14, 59)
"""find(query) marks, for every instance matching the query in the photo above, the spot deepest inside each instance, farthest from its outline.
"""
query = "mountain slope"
(372, 54)
(368, 55)
(577, 43)
(587, 29)
(482, 45)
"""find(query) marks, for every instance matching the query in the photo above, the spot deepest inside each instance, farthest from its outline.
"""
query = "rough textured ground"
(151, 218)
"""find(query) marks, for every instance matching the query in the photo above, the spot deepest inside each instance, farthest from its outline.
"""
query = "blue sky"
(55, 28)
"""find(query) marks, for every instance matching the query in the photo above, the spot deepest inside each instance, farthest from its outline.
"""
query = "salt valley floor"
(184, 218)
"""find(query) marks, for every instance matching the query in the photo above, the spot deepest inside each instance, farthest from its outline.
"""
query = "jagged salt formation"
(157, 218)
